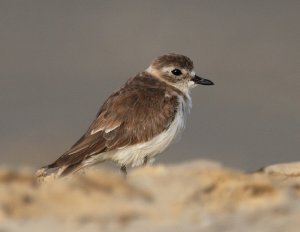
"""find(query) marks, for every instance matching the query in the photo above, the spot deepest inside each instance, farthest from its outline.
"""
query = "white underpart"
(134, 155)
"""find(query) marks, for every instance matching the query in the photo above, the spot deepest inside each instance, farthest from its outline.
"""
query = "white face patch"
(191, 84)
(193, 73)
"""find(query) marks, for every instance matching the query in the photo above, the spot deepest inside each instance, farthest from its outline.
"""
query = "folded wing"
(136, 113)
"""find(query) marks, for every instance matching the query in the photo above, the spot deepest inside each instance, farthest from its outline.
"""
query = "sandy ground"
(199, 195)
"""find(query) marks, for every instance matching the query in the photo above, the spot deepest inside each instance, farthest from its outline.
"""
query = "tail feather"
(62, 169)
(59, 170)
(72, 161)
(71, 169)
(65, 164)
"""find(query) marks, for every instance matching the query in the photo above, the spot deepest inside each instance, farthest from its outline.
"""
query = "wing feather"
(136, 113)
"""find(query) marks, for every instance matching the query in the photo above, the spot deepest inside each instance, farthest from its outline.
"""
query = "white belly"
(134, 155)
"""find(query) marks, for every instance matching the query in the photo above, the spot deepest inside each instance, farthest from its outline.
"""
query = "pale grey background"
(60, 60)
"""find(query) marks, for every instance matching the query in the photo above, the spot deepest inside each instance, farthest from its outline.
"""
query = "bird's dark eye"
(176, 72)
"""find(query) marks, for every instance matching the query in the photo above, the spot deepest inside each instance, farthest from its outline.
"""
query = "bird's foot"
(146, 159)
(124, 170)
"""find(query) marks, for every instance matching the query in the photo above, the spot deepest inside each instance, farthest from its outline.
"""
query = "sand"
(194, 196)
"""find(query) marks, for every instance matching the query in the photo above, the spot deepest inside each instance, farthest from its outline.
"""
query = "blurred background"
(60, 60)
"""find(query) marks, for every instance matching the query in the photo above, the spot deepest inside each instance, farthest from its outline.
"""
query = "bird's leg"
(123, 170)
(146, 159)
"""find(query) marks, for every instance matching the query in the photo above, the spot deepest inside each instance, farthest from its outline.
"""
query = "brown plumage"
(141, 110)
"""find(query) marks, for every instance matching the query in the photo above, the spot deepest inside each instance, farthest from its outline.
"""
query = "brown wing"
(140, 110)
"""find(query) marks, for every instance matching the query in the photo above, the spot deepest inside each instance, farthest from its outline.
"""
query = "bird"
(138, 121)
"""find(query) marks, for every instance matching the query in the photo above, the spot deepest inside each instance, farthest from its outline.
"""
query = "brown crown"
(175, 60)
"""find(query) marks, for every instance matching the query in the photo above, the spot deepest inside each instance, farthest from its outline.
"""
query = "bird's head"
(177, 70)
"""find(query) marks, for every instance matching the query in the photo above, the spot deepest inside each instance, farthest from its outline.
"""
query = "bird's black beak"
(201, 81)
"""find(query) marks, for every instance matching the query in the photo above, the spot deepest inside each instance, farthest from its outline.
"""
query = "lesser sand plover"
(138, 121)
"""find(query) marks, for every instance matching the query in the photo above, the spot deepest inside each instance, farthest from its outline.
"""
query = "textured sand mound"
(186, 197)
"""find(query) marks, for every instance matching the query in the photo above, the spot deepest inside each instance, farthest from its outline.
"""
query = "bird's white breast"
(135, 154)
